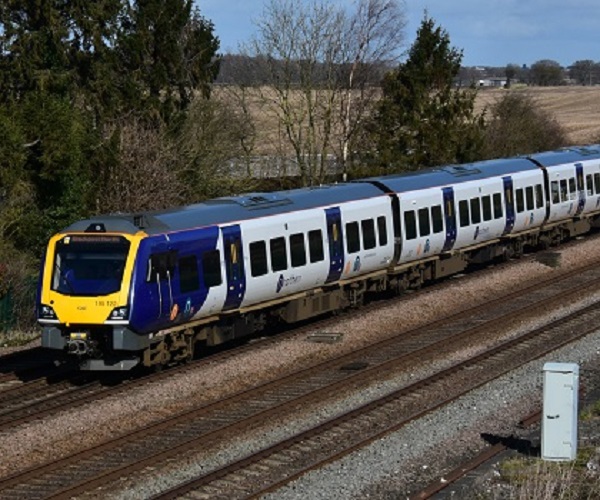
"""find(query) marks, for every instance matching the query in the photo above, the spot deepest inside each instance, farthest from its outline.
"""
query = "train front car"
(83, 300)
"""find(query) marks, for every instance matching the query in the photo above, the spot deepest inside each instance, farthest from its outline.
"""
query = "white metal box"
(559, 416)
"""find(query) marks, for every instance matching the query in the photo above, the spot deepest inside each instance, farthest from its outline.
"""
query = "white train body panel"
(367, 249)
(477, 223)
(423, 230)
(563, 193)
(591, 173)
(591, 186)
(288, 277)
(529, 204)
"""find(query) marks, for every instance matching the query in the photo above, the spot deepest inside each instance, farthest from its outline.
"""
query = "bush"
(517, 125)
(18, 278)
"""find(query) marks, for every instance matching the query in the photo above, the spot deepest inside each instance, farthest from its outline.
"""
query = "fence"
(7, 319)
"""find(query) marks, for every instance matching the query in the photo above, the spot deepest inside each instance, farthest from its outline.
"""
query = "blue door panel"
(336, 243)
(234, 266)
(509, 205)
(450, 219)
(580, 188)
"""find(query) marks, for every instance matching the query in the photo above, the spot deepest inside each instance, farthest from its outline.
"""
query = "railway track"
(63, 389)
(24, 365)
(209, 425)
(273, 467)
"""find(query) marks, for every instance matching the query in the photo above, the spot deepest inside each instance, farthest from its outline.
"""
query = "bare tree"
(511, 71)
(584, 72)
(373, 37)
(320, 62)
(145, 177)
(210, 143)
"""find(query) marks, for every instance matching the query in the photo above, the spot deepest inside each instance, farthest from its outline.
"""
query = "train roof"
(453, 174)
(254, 205)
(228, 209)
(567, 155)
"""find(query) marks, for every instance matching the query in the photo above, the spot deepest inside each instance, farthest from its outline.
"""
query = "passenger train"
(118, 291)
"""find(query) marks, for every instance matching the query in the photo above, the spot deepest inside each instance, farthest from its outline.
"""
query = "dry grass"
(576, 108)
(534, 479)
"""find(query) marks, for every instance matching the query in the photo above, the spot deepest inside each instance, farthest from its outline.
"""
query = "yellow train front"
(83, 297)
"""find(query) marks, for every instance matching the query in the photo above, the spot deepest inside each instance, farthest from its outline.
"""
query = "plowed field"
(577, 109)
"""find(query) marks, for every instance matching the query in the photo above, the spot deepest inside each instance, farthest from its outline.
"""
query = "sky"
(490, 32)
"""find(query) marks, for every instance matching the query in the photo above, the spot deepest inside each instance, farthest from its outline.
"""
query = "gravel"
(387, 468)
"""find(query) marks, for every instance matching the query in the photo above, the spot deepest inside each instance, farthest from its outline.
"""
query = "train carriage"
(182, 269)
(121, 290)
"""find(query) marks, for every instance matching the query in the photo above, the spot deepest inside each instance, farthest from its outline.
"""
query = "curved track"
(63, 389)
(207, 426)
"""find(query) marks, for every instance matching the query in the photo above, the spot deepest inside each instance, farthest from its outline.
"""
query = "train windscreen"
(89, 265)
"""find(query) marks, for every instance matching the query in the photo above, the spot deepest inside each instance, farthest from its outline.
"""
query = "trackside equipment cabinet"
(559, 416)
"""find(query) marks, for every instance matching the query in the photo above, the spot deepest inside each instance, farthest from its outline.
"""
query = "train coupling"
(80, 344)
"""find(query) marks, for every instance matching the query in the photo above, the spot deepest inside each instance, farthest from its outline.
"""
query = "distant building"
(493, 82)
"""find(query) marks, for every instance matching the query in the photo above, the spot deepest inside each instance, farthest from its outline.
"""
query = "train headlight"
(46, 312)
(119, 313)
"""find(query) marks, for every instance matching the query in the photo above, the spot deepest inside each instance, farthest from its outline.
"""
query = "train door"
(397, 228)
(160, 275)
(509, 205)
(336, 243)
(580, 188)
(234, 266)
(449, 218)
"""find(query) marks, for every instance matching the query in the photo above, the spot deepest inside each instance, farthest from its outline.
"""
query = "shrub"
(517, 125)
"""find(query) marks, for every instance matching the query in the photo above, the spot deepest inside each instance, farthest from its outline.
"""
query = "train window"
(463, 210)
(315, 245)
(424, 224)
(91, 265)
(382, 230)
(258, 258)
(520, 200)
(597, 182)
(572, 189)
(539, 196)
(410, 225)
(498, 211)
(580, 181)
(475, 211)
(564, 191)
(529, 198)
(278, 254)
(437, 219)
(211, 268)
(189, 280)
(297, 250)
(233, 251)
(589, 184)
(486, 203)
(555, 192)
(161, 266)
(368, 233)
(352, 237)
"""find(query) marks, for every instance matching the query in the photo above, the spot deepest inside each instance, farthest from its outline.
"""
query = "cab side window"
(161, 266)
